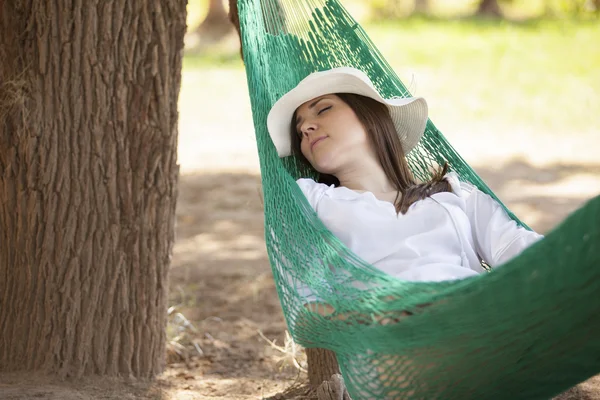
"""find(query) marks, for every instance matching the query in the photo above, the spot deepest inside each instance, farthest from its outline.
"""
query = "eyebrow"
(311, 105)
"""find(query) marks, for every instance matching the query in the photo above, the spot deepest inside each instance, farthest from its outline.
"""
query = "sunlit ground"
(499, 91)
(519, 101)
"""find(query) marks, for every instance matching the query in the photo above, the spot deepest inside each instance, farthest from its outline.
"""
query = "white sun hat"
(409, 114)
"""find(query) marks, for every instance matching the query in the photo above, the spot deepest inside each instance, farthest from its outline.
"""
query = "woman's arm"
(312, 190)
(497, 237)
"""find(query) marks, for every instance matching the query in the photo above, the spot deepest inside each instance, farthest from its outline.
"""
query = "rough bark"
(322, 364)
(333, 389)
(88, 175)
(489, 8)
(324, 375)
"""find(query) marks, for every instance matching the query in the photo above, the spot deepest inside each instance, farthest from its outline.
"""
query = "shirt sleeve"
(496, 236)
(312, 190)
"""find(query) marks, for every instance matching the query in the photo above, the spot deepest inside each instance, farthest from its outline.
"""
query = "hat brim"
(409, 114)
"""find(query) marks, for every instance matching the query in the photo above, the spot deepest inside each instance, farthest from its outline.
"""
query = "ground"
(540, 164)
(221, 280)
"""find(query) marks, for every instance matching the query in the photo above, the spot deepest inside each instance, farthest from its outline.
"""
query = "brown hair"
(375, 118)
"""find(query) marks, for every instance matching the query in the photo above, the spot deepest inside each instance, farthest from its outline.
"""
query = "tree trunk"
(274, 25)
(489, 8)
(234, 18)
(88, 174)
(421, 6)
(215, 25)
(324, 375)
(333, 389)
(322, 363)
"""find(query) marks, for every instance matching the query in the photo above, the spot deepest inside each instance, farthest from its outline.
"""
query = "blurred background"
(513, 84)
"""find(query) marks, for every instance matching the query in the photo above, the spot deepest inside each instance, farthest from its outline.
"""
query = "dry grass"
(181, 334)
(290, 353)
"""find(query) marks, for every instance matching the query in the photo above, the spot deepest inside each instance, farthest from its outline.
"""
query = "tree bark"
(489, 8)
(324, 375)
(88, 183)
(322, 364)
(333, 389)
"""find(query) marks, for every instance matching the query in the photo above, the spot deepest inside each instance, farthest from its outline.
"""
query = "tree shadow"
(542, 196)
(482, 22)
(221, 278)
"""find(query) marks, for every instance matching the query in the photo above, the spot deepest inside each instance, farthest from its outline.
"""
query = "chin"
(325, 165)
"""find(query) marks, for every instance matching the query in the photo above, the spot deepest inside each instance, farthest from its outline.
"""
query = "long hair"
(375, 118)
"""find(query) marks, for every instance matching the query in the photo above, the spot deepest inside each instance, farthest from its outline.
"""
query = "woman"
(366, 195)
(338, 124)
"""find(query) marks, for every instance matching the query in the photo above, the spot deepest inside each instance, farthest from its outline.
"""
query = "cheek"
(320, 163)
(356, 135)
(304, 147)
(326, 161)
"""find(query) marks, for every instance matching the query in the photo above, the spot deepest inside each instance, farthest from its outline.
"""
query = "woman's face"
(331, 134)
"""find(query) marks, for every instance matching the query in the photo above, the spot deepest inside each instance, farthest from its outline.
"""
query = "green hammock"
(527, 330)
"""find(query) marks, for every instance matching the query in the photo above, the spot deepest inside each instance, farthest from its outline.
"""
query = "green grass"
(530, 68)
(542, 72)
(213, 59)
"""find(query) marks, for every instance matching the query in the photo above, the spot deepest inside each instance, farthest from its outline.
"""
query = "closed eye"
(299, 133)
(323, 110)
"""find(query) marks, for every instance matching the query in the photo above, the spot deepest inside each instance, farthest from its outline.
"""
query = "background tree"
(489, 8)
(393, 9)
(572, 7)
(88, 175)
(421, 6)
(322, 363)
(215, 25)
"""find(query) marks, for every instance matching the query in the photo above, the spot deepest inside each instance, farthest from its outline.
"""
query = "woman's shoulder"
(313, 191)
(469, 194)
(307, 185)
(459, 187)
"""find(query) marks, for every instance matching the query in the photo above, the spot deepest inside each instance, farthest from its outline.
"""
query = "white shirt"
(442, 237)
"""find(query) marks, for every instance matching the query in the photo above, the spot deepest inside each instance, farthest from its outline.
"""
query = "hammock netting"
(527, 330)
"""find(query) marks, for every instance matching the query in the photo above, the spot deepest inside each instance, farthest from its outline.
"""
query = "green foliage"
(544, 63)
(390, 9)
(548, 64)
(395, 9)
(582, 8)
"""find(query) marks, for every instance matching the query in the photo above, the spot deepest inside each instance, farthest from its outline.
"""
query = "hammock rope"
(527, 330)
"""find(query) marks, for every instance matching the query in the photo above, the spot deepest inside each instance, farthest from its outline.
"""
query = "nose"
(308, 127)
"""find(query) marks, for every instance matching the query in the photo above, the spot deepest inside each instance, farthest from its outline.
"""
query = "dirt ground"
(220, 247)
(221, 281)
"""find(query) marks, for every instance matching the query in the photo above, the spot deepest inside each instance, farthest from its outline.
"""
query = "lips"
(317, 140)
